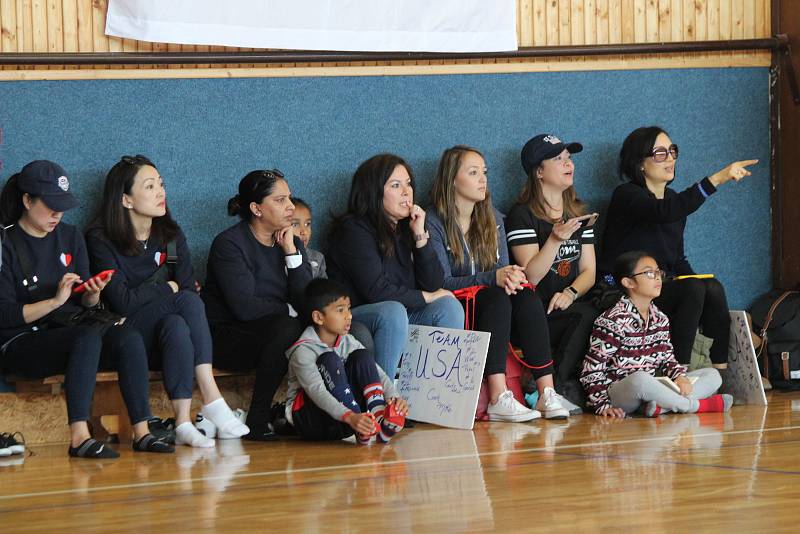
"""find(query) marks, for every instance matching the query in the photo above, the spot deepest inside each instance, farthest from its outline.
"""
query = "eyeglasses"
(652, 275)
(659, 154)
(269, 174)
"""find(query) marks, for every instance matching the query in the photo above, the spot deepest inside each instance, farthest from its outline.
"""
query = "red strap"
(467, 294)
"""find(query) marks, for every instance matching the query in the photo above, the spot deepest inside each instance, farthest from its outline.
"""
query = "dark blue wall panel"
(206, 134)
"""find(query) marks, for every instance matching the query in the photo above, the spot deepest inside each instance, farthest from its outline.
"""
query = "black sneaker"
(265, 434)
(162, 429)
(9, 445)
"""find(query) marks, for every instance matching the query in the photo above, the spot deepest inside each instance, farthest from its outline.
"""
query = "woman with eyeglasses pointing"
(645, 214)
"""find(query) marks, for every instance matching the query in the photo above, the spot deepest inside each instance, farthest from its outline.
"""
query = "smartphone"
(588, 220)
(102, 276)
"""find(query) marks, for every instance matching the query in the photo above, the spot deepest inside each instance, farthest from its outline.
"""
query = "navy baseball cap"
(542, 147)
(48, 181)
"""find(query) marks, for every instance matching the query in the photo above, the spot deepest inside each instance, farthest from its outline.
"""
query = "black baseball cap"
(48, 181)
(542, 147)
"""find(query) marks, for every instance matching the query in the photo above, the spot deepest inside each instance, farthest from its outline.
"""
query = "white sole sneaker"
(516, 418)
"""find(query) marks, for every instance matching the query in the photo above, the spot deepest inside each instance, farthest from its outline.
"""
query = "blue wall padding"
(206, 134)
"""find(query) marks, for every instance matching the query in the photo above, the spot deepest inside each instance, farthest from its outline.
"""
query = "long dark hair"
(366, 201)
(253, 188)
(115, 220)
(11, 206)
(637, 146)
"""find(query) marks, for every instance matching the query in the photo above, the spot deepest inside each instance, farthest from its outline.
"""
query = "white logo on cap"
(552, 139)
(63, 183)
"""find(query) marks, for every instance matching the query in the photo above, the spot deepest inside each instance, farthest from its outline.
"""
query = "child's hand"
(684, 385)
(612, 412)
(362, 423)
(400, 404)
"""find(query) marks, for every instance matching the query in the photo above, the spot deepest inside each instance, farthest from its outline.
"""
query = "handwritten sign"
(743, 379)
(441, 374)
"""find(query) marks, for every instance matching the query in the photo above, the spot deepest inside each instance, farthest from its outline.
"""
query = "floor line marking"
(327, 468)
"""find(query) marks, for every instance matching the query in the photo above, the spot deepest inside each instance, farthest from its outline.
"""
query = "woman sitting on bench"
(155, 288)
(43, 261)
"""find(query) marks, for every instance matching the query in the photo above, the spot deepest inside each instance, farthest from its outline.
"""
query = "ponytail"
(235, 206)
(11, 207)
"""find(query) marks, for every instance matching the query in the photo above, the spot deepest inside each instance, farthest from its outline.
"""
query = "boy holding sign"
(335, 387)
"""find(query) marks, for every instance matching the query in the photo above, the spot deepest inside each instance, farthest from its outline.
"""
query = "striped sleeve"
(595, 377)
(587, 236)
(520, 227)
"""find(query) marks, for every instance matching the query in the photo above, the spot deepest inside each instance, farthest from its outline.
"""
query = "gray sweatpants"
(641, 387)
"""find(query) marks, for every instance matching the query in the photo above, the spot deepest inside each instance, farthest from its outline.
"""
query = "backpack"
(776, 316)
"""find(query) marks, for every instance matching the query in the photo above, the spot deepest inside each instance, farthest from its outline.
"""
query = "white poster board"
(743, 379)
(441, 374)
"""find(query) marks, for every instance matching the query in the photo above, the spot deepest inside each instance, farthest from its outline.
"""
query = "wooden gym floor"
(678, 473)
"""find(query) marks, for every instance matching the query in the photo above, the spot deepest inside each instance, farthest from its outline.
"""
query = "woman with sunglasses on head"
(257, 273)
(550, 233)
(645, 214)
(380, 250)
(134, 234)
(44, 259)
(469, 238)
(630, 346)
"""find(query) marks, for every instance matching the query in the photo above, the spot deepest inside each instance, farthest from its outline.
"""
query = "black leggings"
(78, 352)
(691, 303)
(521, 314)
(261, 345)
(570, 330)
(175, 332)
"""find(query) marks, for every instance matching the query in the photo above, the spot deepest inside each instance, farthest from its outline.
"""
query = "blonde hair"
(533, 197)
(482, 234)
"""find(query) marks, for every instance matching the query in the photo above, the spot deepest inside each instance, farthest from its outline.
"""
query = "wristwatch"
(421, 237)
(572, 291)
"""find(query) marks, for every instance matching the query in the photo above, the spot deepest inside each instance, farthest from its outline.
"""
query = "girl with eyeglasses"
(257, 272)
(646, 214)
(630, 345)
(134, 233)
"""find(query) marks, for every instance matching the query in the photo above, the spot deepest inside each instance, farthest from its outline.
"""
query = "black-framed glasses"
(659, 154)
(652, 275)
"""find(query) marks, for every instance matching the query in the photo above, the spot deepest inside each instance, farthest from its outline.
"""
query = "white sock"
(222, 416)
(187, 434)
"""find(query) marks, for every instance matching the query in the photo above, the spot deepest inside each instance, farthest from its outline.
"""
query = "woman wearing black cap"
(550, 234)
(135, 234)
(257, 272)
(42, 260)
(645, 214)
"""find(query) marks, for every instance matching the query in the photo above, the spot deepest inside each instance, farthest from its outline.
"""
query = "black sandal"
(91, 448)
(150, 443)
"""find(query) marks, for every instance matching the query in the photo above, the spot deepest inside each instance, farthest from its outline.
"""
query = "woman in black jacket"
(645, 214)
(380, 251)
(257, 272)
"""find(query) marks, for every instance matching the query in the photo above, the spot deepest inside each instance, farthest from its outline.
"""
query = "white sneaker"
(508, 409)
(551, 405)
(205, 426)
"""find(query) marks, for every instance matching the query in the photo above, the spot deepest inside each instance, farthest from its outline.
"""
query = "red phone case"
(104, 275)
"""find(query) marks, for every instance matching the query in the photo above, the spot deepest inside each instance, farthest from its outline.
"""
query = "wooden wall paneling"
(145, 46)
(628, 9)
(676, 20)
(576, 17)
(564, 12)
(737, 16)
(25, 17)
(8, 27)
(525, 22)
(552, 12)
(539, 22)
(639, 21)
(590, 22)
(615, 21)
(651, 21)
(664, 20)
(603, 26)
(99, 39)
(712, 19)
(69, 20)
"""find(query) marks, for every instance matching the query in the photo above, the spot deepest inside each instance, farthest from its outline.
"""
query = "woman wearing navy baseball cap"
(550, 233)
(43, 259)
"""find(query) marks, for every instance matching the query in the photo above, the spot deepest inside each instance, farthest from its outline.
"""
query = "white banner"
(343, 25)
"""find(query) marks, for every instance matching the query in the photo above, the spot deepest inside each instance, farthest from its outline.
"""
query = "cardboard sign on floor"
(441, 374)
(743, 379)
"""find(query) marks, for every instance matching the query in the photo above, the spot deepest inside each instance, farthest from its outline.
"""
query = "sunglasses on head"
(659, 154)
(138, 159)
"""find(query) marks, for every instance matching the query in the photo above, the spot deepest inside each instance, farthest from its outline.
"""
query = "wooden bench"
(109, 415)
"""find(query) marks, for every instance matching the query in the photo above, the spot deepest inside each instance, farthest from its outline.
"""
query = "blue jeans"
(388, 323)
(446, 312)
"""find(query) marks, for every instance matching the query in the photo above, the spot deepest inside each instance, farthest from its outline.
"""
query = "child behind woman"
(630, 345)
(335, 387)
(302, 224)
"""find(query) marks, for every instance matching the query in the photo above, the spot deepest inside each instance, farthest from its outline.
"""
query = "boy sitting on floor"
(335, 387)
